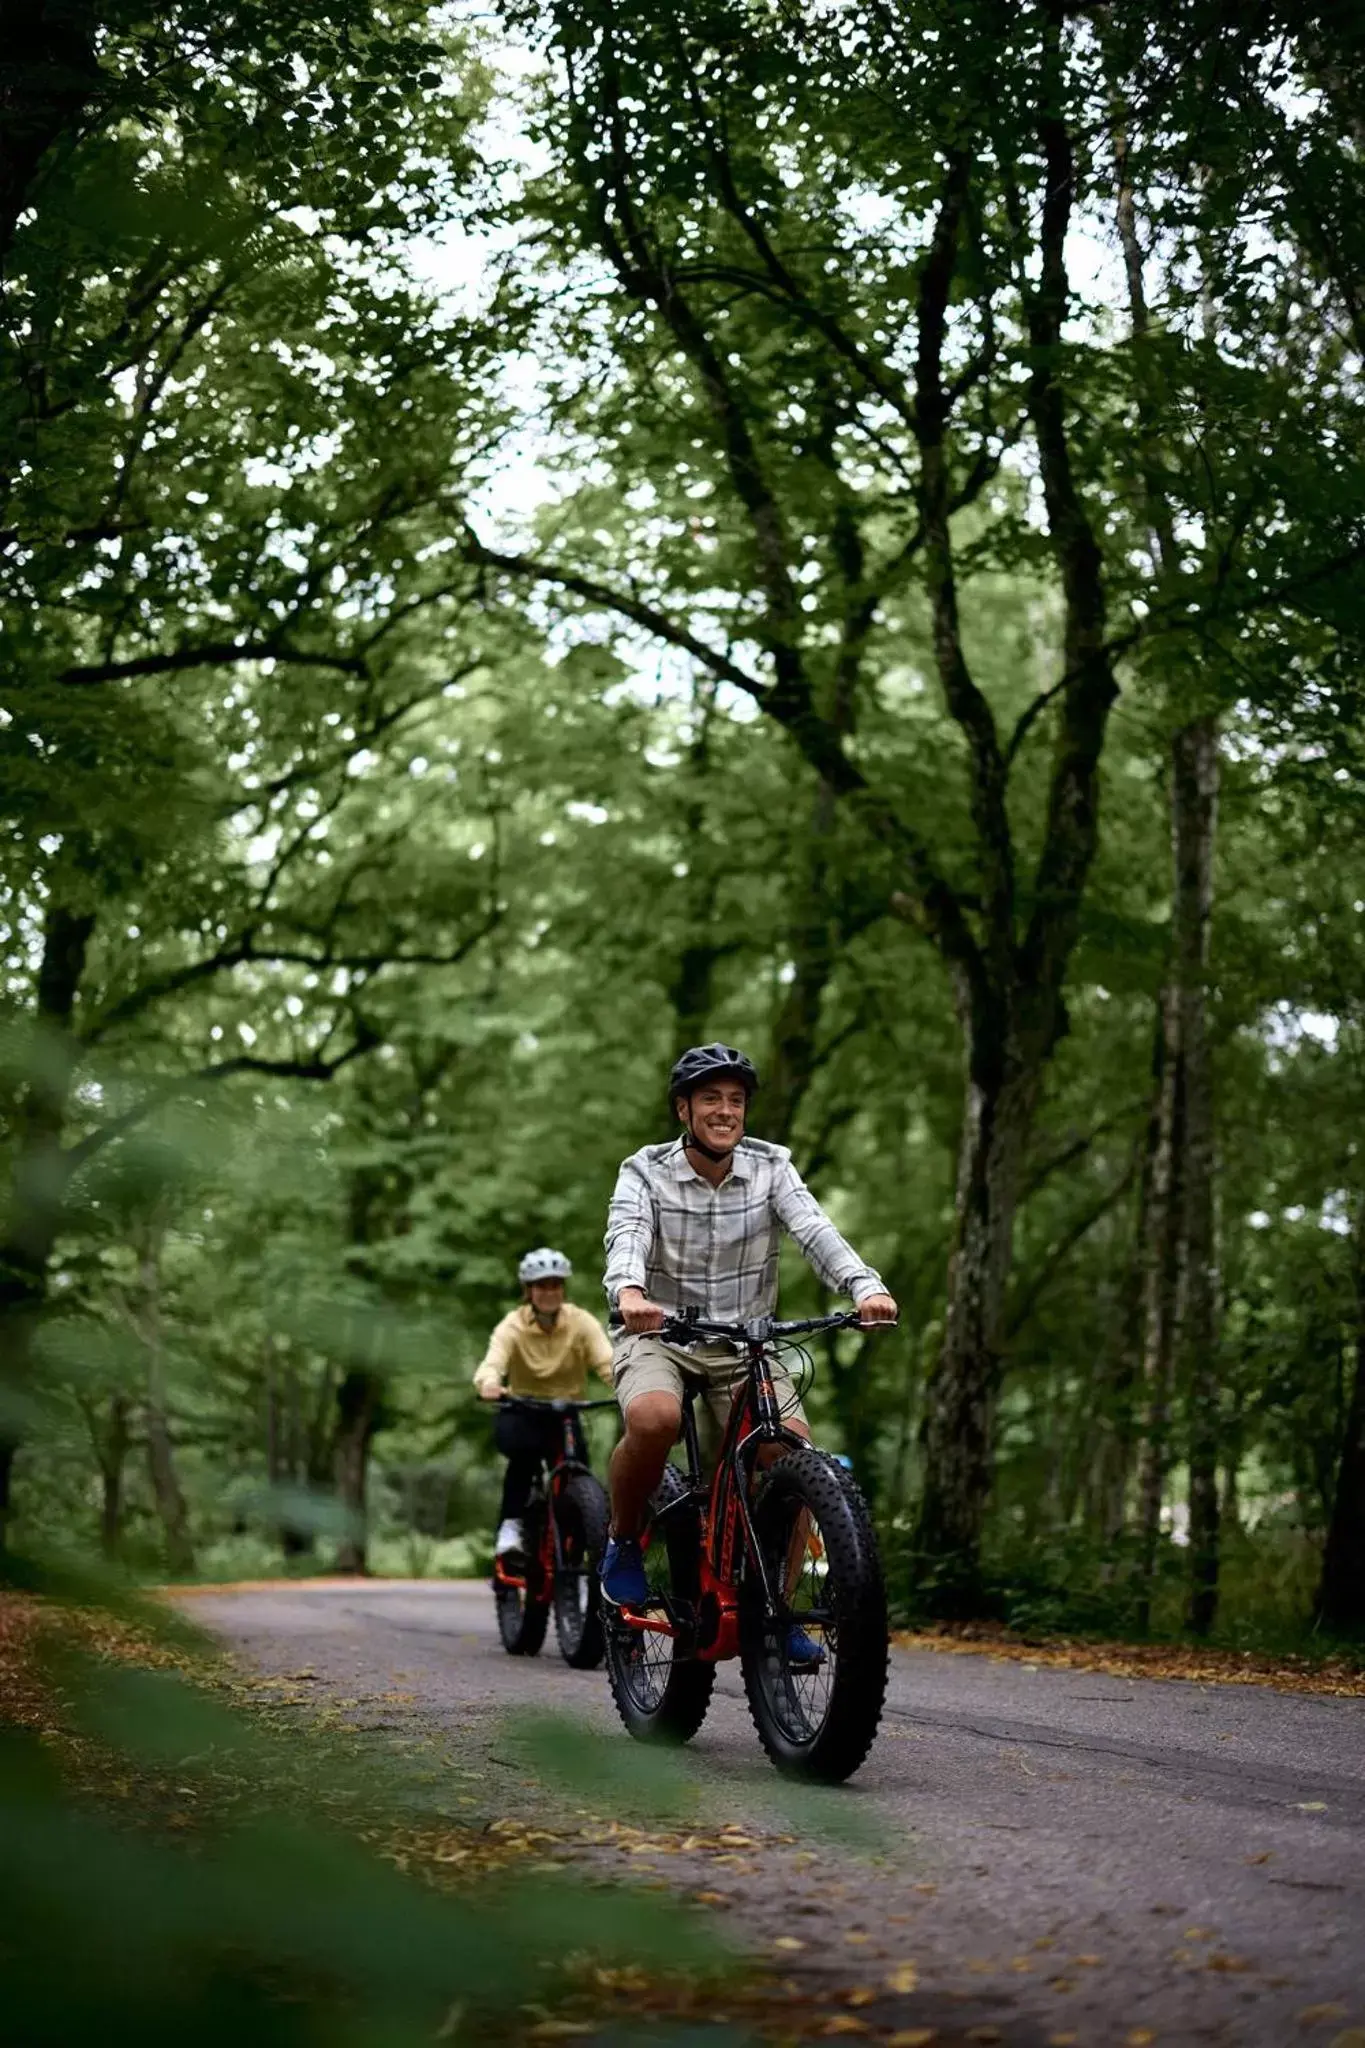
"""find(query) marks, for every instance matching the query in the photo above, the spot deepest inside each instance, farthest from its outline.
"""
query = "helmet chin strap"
(707, 1151)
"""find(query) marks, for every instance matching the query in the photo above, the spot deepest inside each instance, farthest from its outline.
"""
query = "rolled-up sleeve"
(491, 1372)
(819, 1243)
(597, 1349)
(630, 1232)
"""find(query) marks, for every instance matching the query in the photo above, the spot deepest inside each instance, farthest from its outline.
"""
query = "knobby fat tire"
(524, 1615)
(682, 1705)
(582, 1515)
(856, 1592)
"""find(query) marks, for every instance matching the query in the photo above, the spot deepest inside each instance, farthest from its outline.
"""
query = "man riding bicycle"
(696, 1223)
(544, 1349)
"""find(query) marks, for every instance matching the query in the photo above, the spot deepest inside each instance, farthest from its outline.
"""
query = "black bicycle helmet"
(704, 1062)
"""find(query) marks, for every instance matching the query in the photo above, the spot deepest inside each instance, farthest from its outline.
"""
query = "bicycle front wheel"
(581, 1513)
(660, 1694)
(524, 1610)
(815, 1669)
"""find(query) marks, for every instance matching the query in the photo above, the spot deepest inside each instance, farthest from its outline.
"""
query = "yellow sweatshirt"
(553, 1364)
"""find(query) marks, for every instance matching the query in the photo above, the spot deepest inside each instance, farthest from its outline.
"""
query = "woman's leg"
(520, 1439)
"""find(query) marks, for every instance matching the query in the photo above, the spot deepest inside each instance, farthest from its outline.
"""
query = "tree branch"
(316, 1068)
(1059, 1252)
(213, 654)
(1072, 821)
(965, 700)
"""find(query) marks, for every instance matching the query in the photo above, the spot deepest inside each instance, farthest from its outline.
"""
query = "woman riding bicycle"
(544, 1349)
(696, 1224)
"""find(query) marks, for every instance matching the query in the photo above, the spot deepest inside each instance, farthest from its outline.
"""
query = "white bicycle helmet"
(543, 1264)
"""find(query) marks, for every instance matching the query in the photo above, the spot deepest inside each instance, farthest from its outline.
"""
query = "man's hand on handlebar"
(877, 1308)
(638, 1312)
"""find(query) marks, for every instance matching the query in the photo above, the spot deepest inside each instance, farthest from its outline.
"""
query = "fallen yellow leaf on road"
(709, 1898)
(905, 1977)
(1316, 2015)
(845, 2023)
(861, 1994)
(856, 1937)
(1199, 1934)
(1354, 2037)
(1228, 1964)
(913, 2037)
(1139, 2037)
(788, 1941)
(1086, 1962)
(1312, 1806)
(984, 2035)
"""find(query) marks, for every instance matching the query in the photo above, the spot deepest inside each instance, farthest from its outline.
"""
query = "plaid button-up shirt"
(690, 1245)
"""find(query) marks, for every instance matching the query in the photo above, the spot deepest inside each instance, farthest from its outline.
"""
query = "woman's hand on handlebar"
(638, 1312)
(877, 1308)
(487, 1393)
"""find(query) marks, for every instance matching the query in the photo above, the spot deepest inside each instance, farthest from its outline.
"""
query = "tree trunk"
(692, 989)
(1194, 823)
(1160, 1296)
(285, 1452)
(358, 1406)
(166, 1489)
(48, 79)
(960, 1395)
(1232, 1442)
(8, 1448)
(1341, 1591)
(113, 1454)
(39, 1187)
(1111, 1474)
(1184, 1268)
(813, 942)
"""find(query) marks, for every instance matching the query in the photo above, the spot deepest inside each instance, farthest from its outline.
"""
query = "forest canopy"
(533, 539)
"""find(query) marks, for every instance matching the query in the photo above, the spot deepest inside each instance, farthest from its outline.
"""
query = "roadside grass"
(1064, 1594)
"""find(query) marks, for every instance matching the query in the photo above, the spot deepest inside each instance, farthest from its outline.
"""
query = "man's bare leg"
(637, 1463)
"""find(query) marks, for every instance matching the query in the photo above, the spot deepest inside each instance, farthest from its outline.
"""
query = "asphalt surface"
(1063, 1856)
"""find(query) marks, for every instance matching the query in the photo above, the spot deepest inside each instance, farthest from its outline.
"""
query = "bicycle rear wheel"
(660, 1694)
(816, 1716)
(581, 1513)
(524, 1611)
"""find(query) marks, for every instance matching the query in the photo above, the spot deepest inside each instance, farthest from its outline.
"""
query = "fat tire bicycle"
(736, 1566)
(565, 1533)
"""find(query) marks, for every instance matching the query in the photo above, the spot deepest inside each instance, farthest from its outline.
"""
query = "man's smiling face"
(715, 1113)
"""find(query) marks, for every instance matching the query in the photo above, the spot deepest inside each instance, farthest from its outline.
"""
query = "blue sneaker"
(803, 1652)
(623, 1573)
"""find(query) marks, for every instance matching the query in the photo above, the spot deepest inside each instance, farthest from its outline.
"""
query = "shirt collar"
(681, 1167)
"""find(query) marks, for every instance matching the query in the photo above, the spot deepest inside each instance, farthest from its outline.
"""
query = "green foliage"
(407, 876)
(273, 1916)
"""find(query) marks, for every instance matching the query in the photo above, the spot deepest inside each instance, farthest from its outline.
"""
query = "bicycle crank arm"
(644, 1624)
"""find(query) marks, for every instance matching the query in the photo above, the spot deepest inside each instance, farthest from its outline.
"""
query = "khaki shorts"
(646, 1365)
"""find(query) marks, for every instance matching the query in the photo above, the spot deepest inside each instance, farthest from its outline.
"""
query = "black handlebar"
(762, 1330)
(552, 1404)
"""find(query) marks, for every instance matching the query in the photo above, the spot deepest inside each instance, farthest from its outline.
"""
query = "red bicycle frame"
(571, 1457)
(710, 1631)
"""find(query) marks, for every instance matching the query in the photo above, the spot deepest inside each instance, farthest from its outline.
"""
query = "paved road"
(1063, 1855)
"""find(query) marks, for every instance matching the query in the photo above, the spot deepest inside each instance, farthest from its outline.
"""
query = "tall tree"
(712, 167)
